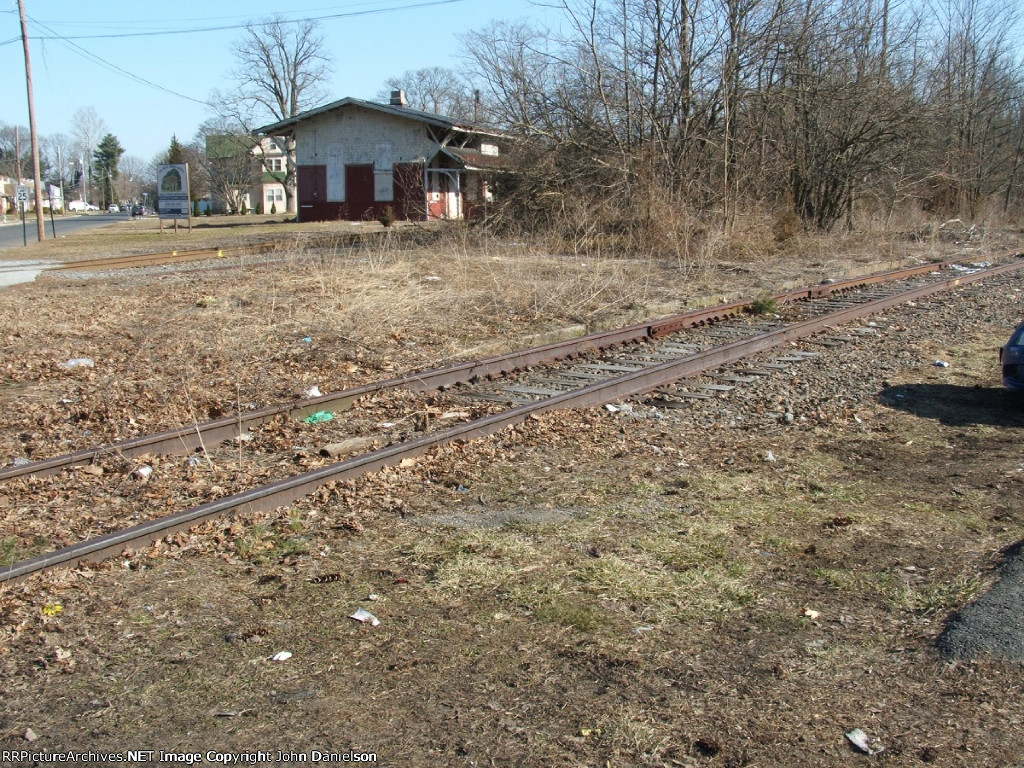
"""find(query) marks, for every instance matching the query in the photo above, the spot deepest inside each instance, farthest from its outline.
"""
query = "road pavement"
(11, 234)
(991, 626)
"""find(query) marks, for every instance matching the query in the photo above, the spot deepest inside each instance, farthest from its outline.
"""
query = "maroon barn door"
(312, 182)
(359, 191)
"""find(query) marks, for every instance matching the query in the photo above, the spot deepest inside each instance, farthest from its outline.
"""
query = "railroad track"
(164, 257)
(255, 247)
(475, 399)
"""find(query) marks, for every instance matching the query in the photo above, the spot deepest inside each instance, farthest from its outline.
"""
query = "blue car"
(1011, 358)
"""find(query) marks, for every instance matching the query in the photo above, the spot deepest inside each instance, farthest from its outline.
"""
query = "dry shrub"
(596, 213)
(466, 283)
(785, 225)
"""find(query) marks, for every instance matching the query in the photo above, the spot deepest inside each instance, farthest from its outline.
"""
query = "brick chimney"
(398, 99)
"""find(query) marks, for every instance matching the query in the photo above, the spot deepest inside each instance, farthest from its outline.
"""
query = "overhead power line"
(68, 40)
(75, 48)
(224, 27)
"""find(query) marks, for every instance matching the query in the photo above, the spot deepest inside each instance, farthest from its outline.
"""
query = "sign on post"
(21, 195)
(172, 193)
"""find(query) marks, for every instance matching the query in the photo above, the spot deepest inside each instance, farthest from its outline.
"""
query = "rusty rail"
(160, 257)
(258, 245)
(285, 491)
(185, 439)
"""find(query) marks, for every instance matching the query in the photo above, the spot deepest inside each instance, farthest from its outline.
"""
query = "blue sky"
(374, 40)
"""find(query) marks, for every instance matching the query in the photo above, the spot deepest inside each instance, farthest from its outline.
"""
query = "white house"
(244, 170)
(356, 158)
(9, 186)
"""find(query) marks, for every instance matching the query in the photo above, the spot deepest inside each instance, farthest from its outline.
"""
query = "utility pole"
(40, 222)
(17, 153)
(60, 165)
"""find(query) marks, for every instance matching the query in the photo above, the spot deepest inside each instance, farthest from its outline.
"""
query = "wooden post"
(36, 175)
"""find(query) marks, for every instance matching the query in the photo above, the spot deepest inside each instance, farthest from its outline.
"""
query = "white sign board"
(22, 193)
(172, 191)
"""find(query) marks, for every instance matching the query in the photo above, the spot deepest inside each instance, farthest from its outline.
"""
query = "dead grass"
(633, 630)
(584, 599)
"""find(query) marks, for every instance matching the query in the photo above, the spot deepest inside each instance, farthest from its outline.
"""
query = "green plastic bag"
(318, 417)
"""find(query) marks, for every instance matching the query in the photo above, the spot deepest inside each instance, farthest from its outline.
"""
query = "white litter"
(77, 362)
(859, 739)
(365, 617)
(143, 472)
(281, 656)
(313, 391)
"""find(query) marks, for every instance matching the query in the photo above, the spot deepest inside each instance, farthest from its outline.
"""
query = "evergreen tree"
(105, 161)
(176, 153)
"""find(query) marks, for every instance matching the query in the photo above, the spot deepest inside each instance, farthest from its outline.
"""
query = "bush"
(244, 209)
(273, 208)
(785, 226)
(195, 208)
(766, 305)
(259, 207)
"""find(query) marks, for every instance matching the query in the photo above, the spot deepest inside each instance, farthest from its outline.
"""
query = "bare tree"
(224, 151)
(133, 177)
(828, 109)
(87, 128)
(974, 85)
(55, 152)
(280, 69)
(514, 73)
(438, 90)
(1013, 183)
(14, 151)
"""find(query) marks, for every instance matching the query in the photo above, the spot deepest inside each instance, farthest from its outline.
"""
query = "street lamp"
(63, 202)
(81, 177)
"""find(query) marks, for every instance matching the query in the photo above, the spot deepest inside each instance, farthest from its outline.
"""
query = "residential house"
(8, 189)
(246, 171)
(355, 158)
